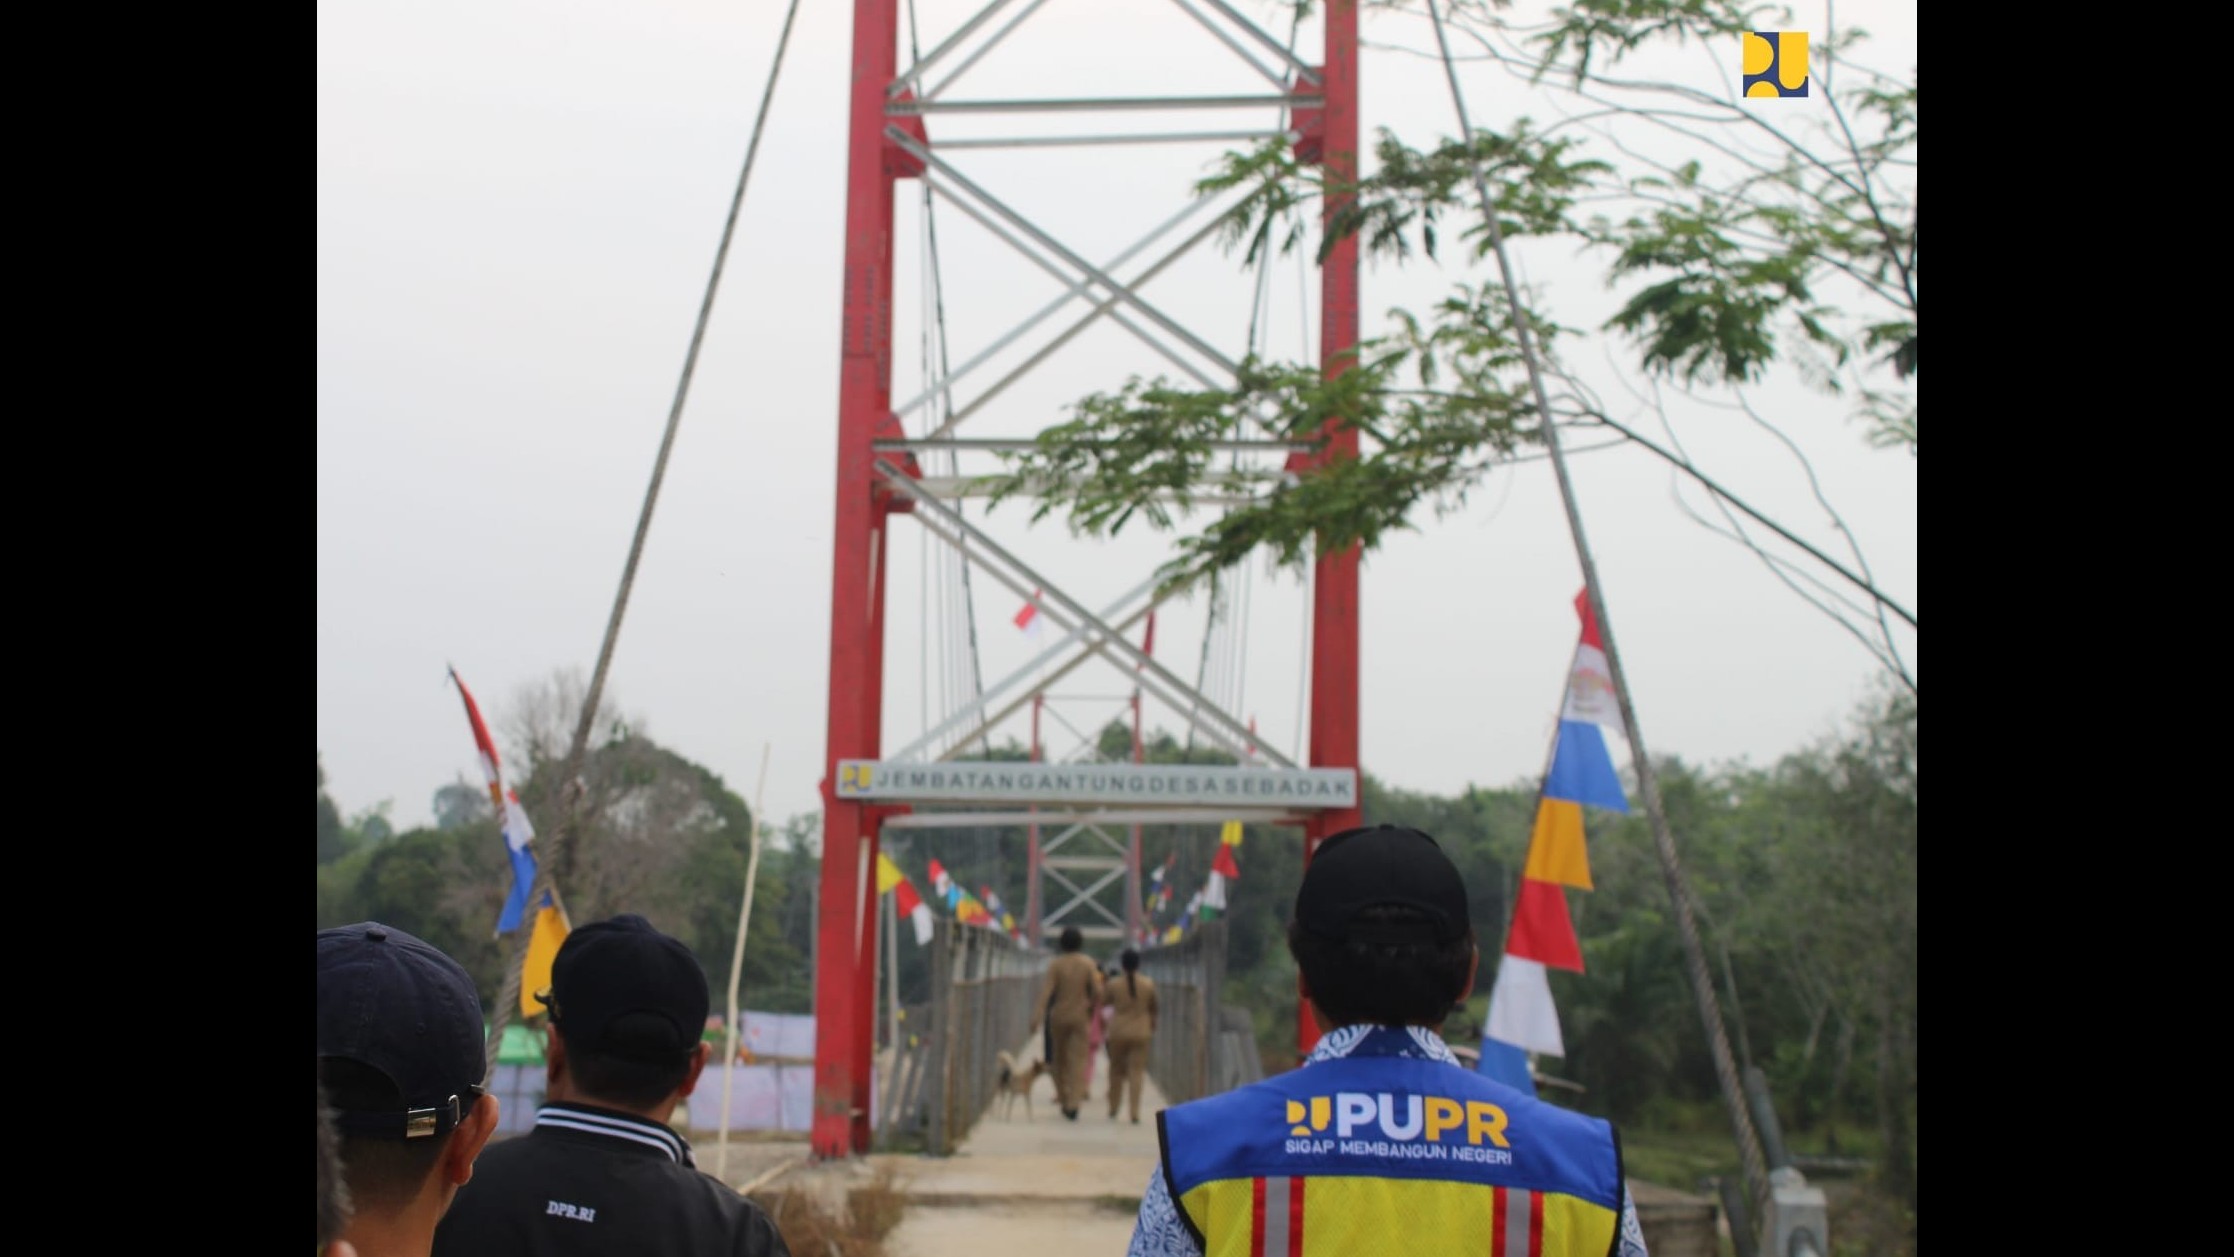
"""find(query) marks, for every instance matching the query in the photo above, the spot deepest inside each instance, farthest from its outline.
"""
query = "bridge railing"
(982, 988)
(1201, 1046)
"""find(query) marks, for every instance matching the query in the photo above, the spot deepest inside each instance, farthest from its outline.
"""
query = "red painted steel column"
(1334, 605)
(872, 715)
(864, 398)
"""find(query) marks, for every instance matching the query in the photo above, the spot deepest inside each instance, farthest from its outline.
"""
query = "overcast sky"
(517, 207)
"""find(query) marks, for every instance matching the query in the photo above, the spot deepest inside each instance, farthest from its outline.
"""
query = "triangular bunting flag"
(1542, 930)
(1520, 1009)
(1555, 850)
(1582, 771)
(1223, 862)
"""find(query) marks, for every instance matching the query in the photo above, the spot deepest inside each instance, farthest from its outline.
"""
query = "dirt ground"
(1056, 1227)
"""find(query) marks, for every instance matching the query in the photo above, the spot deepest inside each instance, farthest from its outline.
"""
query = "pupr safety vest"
(1378, 1153)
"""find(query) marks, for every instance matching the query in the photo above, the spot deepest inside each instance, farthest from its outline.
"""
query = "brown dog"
(1016, 1080)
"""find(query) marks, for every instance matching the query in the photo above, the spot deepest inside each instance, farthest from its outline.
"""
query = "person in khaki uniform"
(1133, 997)
(1067, 1001)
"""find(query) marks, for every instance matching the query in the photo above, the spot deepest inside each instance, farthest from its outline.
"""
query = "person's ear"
(473, 1134)
(698, 1059)
(554, 1054)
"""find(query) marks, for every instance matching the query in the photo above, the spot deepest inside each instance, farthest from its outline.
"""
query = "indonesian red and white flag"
(1029, 618)
(907, 903)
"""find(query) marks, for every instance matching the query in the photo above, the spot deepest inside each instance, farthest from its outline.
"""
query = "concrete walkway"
(1031, 1184)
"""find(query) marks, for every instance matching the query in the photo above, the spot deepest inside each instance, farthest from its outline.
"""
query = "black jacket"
(593, 1182)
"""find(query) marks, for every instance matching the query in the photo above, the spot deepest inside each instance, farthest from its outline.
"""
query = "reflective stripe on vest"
(1324, 1217)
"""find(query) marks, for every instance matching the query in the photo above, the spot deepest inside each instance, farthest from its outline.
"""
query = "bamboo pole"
(1751, 1160)
(736, 970)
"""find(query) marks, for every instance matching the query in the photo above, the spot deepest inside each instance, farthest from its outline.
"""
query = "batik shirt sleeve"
(1157, 1231)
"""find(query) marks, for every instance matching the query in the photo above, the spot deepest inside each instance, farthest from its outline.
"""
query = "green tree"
(1750, 243)
(460, 804)
(333, 838)
(654, 833)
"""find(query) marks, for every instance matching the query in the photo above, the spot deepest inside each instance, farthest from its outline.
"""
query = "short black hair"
(333, 1188)
(1130, 959)
(1387, 984)
(624, 1081)
(376, 1171)
(1072, 940)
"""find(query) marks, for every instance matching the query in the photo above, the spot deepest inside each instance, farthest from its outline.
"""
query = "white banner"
(1151, 784)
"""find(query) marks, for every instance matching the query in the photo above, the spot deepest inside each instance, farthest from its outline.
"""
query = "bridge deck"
(1031, 1182)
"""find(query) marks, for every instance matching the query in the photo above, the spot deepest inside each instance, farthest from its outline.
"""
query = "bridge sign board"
(965, 781)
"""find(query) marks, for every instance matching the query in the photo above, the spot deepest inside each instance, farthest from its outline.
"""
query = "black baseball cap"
(391, 1002)
(1382, 865)
(621, 988)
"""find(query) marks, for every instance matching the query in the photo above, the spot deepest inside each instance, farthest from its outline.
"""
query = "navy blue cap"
(621, 988)
(391, 1002)
(1383, 865)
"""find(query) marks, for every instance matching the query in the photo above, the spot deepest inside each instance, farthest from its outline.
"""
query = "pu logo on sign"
(1355, 1114)
(852, 777)
(1775, 63)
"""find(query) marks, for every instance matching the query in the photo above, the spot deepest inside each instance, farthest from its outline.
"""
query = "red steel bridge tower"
(905, 126)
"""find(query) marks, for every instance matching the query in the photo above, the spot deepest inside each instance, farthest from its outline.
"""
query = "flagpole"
(1512, 888)
(736, 969)
(1750, 1157)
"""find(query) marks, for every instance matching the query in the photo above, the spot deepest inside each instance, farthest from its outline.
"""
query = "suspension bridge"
(919, 122)
(1021, 163)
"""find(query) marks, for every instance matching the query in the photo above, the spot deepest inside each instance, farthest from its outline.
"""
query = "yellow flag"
(542, 949)
(1555, 850)
(888, 873)
(1231, 834)
(1172, 935)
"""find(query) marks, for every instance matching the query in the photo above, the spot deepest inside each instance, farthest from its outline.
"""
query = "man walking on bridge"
(1067, 1003)
(1383, 1142)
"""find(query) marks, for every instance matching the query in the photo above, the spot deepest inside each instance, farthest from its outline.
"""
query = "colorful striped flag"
(1522, 1014)
(969, 911)
(511, 817)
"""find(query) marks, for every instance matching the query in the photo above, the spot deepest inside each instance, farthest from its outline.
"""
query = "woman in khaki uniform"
(1134, 1023)
(1067, 1003)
